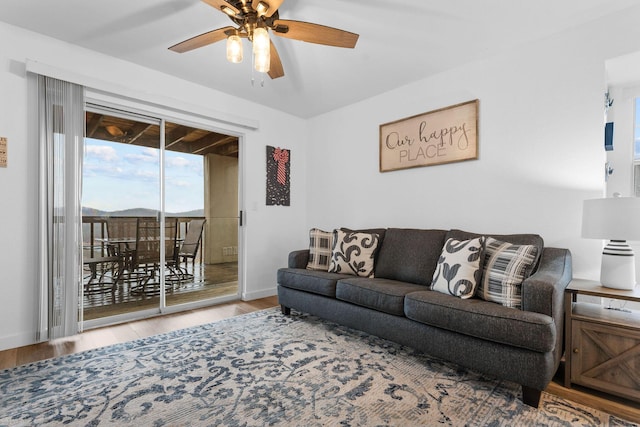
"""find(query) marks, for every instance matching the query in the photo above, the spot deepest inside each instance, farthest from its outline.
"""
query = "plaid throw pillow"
(505, 268)
(320, 243)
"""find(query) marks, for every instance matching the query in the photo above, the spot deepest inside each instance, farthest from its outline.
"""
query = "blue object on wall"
(608, 136)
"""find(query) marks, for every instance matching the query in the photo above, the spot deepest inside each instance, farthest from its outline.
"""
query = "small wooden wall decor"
(3, 152)
(278, 176)
(442, 136)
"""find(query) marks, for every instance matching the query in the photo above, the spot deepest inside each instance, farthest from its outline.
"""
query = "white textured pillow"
(353, 253)
(505, 268)
(320, 243)
(458, 272)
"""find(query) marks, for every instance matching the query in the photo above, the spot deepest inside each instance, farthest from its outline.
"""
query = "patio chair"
(121, 235)
(189, 248)
(121, 243)
(103, 273)
(145, 260)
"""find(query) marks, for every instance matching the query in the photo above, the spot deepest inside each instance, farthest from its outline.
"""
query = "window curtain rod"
(104, 87)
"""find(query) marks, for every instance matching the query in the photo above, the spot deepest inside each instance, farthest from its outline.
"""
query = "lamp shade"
(616, 218)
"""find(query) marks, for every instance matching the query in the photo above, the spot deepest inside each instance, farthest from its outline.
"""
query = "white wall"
(268, 233)
(540, 139)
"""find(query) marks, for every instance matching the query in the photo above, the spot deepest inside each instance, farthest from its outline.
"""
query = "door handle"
(240, 218)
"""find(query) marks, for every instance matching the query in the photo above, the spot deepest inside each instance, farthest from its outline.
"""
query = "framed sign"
(3, 152)
(442, 136)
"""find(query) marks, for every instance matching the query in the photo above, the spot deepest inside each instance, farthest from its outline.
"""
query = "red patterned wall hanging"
(278, 176)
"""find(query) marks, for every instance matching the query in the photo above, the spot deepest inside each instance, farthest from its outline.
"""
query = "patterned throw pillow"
(320, 243)
(505, 268)
(353, 252)
(458, 272)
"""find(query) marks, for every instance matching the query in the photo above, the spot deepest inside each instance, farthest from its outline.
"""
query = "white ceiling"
(401, 41)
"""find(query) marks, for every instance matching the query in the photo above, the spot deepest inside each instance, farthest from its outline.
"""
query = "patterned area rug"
(267, 369)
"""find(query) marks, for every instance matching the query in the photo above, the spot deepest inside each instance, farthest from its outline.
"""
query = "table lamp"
(616, 219)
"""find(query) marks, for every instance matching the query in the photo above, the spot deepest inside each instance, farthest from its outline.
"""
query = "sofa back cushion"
(410, 255)
(515, 239)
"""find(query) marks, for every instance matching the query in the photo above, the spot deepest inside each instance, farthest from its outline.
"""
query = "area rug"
(265, 369)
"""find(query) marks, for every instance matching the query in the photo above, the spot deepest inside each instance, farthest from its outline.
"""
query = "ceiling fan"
(253, 19)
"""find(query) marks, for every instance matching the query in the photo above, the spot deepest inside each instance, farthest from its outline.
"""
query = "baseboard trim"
(249, 296)
(16, 341)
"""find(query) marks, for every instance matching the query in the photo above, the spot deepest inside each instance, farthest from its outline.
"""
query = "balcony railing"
(94, 230)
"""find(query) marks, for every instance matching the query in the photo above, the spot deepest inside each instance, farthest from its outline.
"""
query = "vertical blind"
(60, 134)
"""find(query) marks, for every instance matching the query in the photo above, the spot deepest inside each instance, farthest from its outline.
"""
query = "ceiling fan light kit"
(254, 19)
(262, 8)
(228, 10)
(261, 50)
(234, 48)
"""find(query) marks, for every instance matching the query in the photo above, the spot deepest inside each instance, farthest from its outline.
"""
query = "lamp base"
(618, 269)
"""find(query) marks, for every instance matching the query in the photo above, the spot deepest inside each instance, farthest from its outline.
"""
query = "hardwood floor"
(108, 335)
(142, 328)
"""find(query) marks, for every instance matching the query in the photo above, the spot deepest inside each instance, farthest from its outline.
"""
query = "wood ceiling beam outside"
(225, 140)
(177, 140)
(177, 135)
(138, 130)
(94, 124)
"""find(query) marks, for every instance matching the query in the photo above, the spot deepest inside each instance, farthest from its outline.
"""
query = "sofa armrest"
(543, 291)
(299, 259)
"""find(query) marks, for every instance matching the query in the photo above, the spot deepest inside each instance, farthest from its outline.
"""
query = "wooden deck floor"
(209, 281)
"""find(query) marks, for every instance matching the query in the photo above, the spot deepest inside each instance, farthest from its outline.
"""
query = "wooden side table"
(602, 346)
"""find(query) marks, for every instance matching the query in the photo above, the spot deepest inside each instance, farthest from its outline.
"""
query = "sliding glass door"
(160, 203)
(121, 203)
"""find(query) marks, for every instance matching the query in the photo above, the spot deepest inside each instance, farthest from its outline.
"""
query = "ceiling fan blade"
(314, 33)
(201, 40)
(273, 5)
(275, 68)
(221, 5)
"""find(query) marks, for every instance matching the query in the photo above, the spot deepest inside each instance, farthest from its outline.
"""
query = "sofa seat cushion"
(314, 281)
(379, 294)
(482, 319)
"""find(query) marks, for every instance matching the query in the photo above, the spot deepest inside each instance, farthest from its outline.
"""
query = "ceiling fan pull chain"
(253, 74)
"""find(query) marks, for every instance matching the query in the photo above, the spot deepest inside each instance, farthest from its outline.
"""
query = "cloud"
(149, 155)
(101, 153)
(179, 162)
(101, 169)
(146, 175)
(181, 184)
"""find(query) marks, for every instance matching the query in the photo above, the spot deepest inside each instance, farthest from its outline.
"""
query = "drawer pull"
(575, 350)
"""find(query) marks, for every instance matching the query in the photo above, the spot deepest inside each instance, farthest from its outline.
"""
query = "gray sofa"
(519, 345)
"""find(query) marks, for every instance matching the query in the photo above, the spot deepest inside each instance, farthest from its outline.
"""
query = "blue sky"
(120, 176)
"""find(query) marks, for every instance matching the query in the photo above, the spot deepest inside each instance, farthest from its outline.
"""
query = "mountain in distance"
(87, 211)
